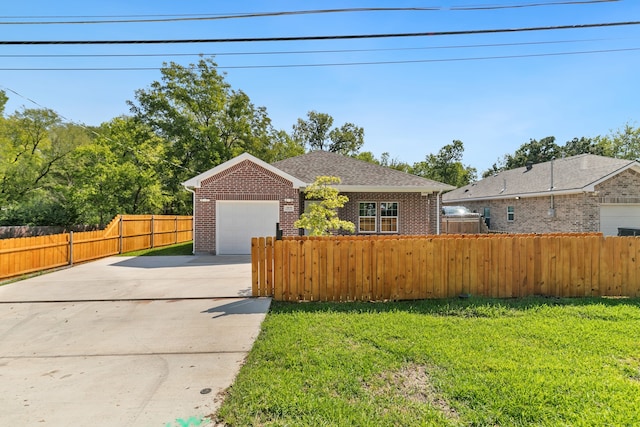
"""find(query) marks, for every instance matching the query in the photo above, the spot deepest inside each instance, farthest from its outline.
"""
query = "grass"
(473, 362)
(178, 249)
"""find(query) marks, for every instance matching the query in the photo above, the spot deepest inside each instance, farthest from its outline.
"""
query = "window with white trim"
(511, 213)
(388, 217)
(367, 214)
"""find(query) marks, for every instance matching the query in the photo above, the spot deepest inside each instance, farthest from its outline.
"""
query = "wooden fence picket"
(32, 254)
(353, 268)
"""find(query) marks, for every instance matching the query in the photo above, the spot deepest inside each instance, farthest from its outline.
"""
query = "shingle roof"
(571, 174)
(355, 174)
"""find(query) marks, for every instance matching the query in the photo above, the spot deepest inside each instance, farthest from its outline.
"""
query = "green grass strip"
(185, 248)
(472, 362)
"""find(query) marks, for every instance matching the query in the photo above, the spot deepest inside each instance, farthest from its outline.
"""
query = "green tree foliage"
(201, 119)
(121, 172)
(282, 146)
(28, 154)
(385, 160)
(588, 146)
(534, 151)
(317, 133)
(623, 143)
(35, 150)
(446, 166)
(322, 217)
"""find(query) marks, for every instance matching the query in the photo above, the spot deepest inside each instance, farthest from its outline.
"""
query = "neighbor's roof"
(570, 175)
(356, 175)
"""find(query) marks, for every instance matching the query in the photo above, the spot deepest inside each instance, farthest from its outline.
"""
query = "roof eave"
(390, 189)
(521, 195)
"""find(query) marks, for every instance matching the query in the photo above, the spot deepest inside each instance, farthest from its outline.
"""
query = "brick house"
(584, 193)
(245, 197)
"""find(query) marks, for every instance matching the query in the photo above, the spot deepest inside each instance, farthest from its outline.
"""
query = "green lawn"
(471, 362)
(185, 248)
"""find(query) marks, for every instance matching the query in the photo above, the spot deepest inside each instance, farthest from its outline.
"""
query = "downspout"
(438, 212)
(552, 209)
(193, 218)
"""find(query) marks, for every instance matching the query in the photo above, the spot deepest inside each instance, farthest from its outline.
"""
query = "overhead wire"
(338, 64)
(296, 52)
(325, 37)
(213, 17)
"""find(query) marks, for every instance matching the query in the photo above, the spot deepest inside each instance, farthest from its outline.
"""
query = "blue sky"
(408, 110)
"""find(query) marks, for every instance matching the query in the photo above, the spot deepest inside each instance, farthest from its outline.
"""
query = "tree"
(588, 146)
(282, 146)
(534, 151)
(446, 166)
(201, 119)
(322, 217)
(35, 149)
(121, 172)
(317, 133)
(623, 143)
(385, 160)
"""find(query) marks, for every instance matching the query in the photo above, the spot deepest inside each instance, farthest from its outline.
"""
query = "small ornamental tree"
(322, 217)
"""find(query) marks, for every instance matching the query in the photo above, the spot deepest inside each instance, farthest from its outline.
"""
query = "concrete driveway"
(123, 341)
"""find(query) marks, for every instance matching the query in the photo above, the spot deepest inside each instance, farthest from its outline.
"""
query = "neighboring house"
(584, 193)
(245, 197)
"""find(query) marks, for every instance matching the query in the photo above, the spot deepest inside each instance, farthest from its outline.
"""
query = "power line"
(215, 17)
(296, 52)
(317, 38)
(337, 64)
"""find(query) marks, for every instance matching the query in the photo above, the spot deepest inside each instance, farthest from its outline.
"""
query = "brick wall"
(624, 188)
(573, 213)
(244, 181)
(416, 213)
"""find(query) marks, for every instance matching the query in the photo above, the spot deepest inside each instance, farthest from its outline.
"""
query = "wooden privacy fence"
(124, 234)
(419, 267)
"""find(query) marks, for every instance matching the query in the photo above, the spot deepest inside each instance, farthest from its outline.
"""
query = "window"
(487, 216)
(389, 217)
(510, 213)
(367, 217)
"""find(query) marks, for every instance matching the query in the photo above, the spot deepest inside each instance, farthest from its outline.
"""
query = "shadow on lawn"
(465, 307)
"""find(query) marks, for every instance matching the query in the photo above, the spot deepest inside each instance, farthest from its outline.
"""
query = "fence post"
(176, 227)
(71, 248)
(152, 229)
(120, 235)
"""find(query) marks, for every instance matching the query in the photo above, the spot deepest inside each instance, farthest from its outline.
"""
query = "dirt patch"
(412, 382)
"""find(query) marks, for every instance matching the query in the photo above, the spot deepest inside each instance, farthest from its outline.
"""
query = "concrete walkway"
(146, 341)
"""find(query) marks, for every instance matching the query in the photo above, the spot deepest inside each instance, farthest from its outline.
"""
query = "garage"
(616, 216)
(238, 221)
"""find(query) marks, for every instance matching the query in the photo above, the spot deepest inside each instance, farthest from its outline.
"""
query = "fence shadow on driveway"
(245, 306)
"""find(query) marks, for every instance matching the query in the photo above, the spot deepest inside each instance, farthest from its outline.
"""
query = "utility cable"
(317, 38)
(296, 52)
(338, 64)
(202, 17)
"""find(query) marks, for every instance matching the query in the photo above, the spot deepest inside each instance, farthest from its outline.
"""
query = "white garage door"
(238, 221)
(614, 216)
